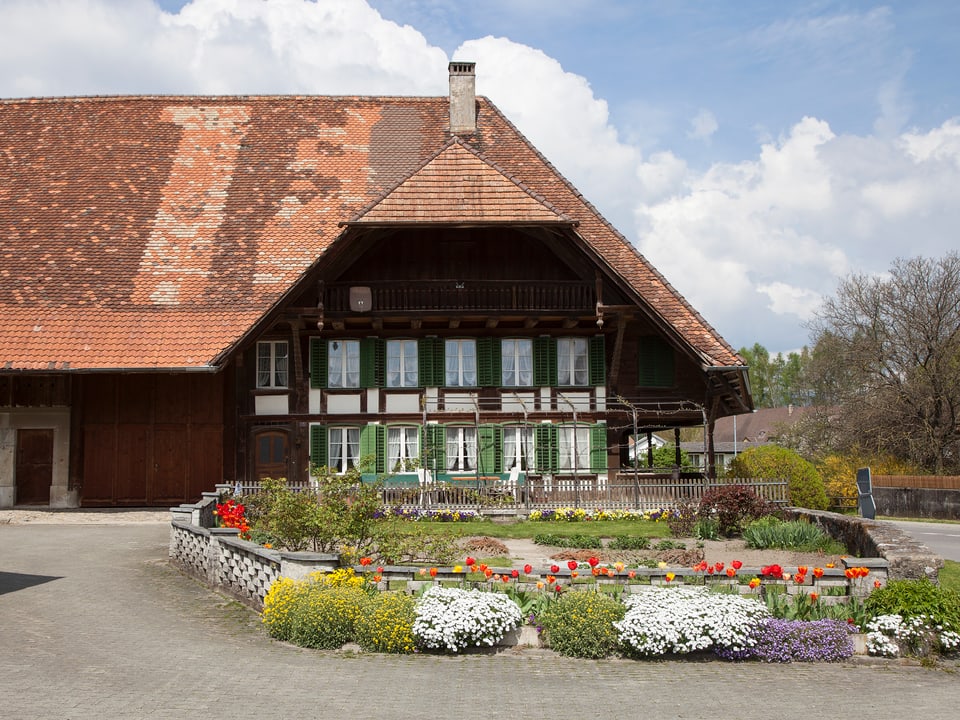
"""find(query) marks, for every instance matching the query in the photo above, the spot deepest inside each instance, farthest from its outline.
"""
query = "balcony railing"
(481, 295)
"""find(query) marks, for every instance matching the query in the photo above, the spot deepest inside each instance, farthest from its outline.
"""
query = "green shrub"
(629, 542)
(386, 624)
(733, 506)
(327, 615)
(804, 483)
(582, 542)
(911, 598)
(707, 529)
(771, 532)
(580, 624)
(399, 542)
(670, 545)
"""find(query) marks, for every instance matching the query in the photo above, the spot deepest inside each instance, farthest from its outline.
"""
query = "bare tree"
(888, 353)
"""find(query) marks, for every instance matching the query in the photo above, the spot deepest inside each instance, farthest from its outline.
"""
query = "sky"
(755, 152)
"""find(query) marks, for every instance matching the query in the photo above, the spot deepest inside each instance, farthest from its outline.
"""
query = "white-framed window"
(402, 363)
(403, 448)
(272, 364)
(343, 448)
(516, 360)
(461, 449)
(343, 363)
(574, 448)
(518, 447)
(461, 363)
(572, 361)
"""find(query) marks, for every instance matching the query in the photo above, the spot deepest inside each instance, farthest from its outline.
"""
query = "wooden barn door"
(34, 466)
(271, 455)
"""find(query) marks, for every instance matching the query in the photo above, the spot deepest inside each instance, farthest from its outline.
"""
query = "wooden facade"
(254, 285)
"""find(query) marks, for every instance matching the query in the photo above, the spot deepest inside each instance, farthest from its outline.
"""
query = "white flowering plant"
(661, 620)
(453, 619)
(893, 635)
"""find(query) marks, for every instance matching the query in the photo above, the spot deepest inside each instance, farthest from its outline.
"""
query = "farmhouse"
(204, 289)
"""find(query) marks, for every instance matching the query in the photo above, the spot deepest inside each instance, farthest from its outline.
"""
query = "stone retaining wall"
(905, 557)
(245, 570)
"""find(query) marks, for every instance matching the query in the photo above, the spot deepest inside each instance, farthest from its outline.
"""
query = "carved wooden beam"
(492, 322)
(530, 322)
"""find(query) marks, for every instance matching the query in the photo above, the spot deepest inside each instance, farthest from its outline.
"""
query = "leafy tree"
(804, 483)
(666, 456)
(887, 352)
(777, 380)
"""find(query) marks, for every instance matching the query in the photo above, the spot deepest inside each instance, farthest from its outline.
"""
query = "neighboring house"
(200, 289)
(735, 433)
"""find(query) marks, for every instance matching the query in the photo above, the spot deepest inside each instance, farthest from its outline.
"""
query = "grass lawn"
(527, 529)
(950, 575)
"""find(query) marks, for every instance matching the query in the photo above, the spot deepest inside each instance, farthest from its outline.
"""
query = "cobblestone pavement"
(95, 624)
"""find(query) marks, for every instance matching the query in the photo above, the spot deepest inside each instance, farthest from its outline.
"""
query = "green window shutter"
(318, 446)
(598, 448)
(434, 455)
(372, 353)
(656, 363)
(546, 448)
(318, 363)
(598, 361)
(488, 362)
(430, 360)
(544, 361)
(373, 444)
(491, 449)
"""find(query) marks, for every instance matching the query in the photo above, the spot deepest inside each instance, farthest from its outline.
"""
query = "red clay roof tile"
(153, 232)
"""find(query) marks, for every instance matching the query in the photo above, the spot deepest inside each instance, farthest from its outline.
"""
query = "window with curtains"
(516, 362)
(402, 363)
(343, 363)
(403, 448)
(517, 448)
(460, 358)
(461, 449)
(343, 449)
(272, 364)
(572, 362)
(574, 448)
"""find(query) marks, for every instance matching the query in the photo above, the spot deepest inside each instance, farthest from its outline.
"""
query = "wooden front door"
(34, 469)
(271, 455)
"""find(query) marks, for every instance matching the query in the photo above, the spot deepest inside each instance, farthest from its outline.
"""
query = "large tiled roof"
(153, 232)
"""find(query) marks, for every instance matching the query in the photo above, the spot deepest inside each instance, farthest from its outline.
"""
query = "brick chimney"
(463, 98)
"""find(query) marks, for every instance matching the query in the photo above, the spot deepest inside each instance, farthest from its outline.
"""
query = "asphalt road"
(95, 624)
(942, 538)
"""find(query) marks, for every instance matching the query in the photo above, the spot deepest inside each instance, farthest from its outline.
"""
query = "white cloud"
(65, 47)
(754, 245)
(703, 126)
(558, 113)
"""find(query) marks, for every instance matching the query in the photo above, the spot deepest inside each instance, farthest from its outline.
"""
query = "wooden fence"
(625, 491)
(929, 482)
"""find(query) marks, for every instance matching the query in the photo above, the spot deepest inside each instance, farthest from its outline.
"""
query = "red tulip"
(527, 569)
(365, 561)
(572, 564)
(470, 561)
(737, 564)
(593, 562)
(719, 567)
(514, 573)
(554, 569)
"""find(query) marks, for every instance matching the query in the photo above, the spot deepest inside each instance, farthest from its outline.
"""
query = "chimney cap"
(461, 67)
(463, 97)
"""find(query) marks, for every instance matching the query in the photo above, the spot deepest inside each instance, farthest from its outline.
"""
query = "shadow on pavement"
(11, 582)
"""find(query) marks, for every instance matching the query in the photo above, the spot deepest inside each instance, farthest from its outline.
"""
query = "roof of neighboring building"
(153, 232)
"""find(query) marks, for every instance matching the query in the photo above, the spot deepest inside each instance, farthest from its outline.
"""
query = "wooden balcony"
(472, 296)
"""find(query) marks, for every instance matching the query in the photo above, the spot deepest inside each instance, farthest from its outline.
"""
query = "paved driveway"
(94, 624)
(942, 538)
